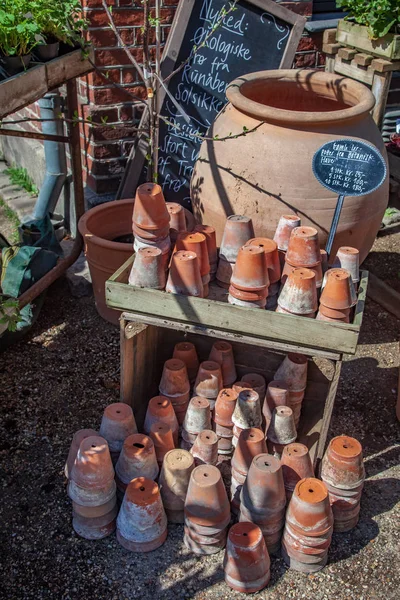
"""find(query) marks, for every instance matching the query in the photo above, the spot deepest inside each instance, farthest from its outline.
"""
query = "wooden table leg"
(330, 401)
(127, 332)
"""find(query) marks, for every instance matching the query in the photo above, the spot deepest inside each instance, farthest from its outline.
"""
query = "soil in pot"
(15, 64)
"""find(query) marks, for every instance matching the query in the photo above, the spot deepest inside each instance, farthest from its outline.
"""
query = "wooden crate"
(214, 317)
(143, 355)
(356, 36)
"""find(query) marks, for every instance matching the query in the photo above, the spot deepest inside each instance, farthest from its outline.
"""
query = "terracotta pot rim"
(86, 221)
(272, 114)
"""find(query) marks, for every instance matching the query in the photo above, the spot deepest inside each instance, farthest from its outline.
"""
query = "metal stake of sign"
(347, 167)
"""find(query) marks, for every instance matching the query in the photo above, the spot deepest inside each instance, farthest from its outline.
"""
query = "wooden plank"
(352, 34)
(329, 63)
(347, 53)
(362, 294)
(68, 67)
(384, 295)
(126, 358)
(329, 36)
(331, 48)
(22, 89)
(326, 419)
(354, 71)
(383, 66)
(362, 59)
(380, 89)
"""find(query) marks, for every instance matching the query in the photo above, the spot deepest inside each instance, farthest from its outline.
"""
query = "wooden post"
(127, 332)
(380, 89)
(330, 401)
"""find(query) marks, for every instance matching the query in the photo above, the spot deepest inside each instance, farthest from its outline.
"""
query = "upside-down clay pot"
(141, 522)
(174, 379)
(290, 114)
(177, 221)
(137, 459)
(257, 383)
(271, 253)
(338, 291)
(195, 242)
(208, 381)
(237, 229)
(285, 227)
(348, 258)
(246, 560)
(174, 480)
(317, 270)
(293, 371)
(247, 411)
(93, 466)
(186, 352)
(303, 248)
(184, 275)
(206, 501)
(281, 430)
(150, 211)
(211, 240)
(79, 436)
(222, 417)
(250, 443)
(160, 410)
(148, 269)
(277, 395)
(296, 465)
(222, 353)
(250, 271)
(205, 448)
(198, 415)
(163, 440)
(99, 227)
(299, 293)
(117, 423)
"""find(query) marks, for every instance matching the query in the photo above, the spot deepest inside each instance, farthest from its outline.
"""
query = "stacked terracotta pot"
(303, 251)
(222, 353)
(271, 255)
(238, 230)
(150, 220)
(337, 297)
(174, 480)
(277, 395)
(343, 473)
(92, 490)
(137, 459)
(283, 232)
(281, 430)
(222, 417)
(160, 410)
(251, 443)
(207, 511)
(175, 386)
(142, 522)
(263, 499)
(293, 373)
(348, 258)
(177, 220)
(186, 352)
(250, 280)
(195, 242)
(116, 425)
(247, 411)
(308, 528)
(211, 239)
(197, 418)
(299, 294)
(208, 381)
(246, 560)
(296, 464)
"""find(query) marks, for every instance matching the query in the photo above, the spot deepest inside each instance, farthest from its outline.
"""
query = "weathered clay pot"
(290, 114)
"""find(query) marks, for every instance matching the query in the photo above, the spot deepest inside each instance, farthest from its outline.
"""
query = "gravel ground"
(60, 378)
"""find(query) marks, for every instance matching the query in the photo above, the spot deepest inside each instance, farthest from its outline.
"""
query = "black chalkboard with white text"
(257, 35)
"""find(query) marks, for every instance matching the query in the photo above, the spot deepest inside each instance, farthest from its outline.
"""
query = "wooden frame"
(144, 352)
(136, 159)
(215, 318)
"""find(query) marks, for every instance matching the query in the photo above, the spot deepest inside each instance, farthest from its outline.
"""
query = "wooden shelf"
(27, 87)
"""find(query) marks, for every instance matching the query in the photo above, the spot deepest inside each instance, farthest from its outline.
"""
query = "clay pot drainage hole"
(142, 488)
(138, 445)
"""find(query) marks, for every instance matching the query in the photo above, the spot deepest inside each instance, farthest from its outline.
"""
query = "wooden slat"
(383, 66)
(327, 415)
(362, 294)
(22, 89)
(356, 36)
(331, 48)
(380, 90)
(354, 71)
(362, 59)
(347, 53)
(329, 36)
(68, 67)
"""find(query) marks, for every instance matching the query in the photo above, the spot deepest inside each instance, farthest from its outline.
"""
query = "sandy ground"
(60, 378)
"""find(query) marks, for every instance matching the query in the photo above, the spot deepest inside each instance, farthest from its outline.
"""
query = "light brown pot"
(99, 227)
(268, 172)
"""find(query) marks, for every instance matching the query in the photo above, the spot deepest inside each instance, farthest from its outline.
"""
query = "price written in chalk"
(349, 167)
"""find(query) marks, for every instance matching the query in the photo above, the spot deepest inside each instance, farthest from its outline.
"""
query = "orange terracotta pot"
(237, 230)
(195, 242)
(296, 465)
(321, 317)
(224, 407)
(222, 353)
(250, 272)
(299, 294)
(246, 560)
(277, 395)
(248, 296)
(93, 466)
(99, 227)
(272, 257)
(184, 275)
(209, 380)
(293, 371)
(290, 114)
(343, 313)
(148, 269)
(177, 221)
(285, 227)
(309, 509)
(205, 448)
(206, 501)
(116, 424)
(211, 239)
(338, 291)
(288, 268)
(150, 211)
(174, 481)
(251, 442)
(79, 436)
(186, 352)
(174, 379)
(160, 409)
(348, 258)
(303, 249)
(163, 440)
(343, 465)
(137, 459)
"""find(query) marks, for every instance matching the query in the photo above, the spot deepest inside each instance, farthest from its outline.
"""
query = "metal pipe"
(33, 135)
(335, 222)
(56, 164)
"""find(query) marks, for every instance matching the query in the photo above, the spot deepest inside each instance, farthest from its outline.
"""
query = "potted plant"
(19, 34)
(372, 26)
(59, 21)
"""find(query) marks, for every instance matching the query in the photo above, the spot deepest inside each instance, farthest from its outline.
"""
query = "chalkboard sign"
(349, 167)
(257, 35)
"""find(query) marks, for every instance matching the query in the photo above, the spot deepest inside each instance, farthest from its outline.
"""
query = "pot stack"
(271, 253)
(281, 430)
(303, 251)
(222, 417)
(137, 459)
(151, 220)
(207, 511)
(308, 528)
(175, 386)
(196, 242)
(293, 373)
(298, 296)
(251, 443)
(250, 279)
(343, 474)
(238, 230)
(116, 424)
(92, 490)
(208, 381)
(263, 499)
(349, 258)
(197, 418)
(337, 297)
(247, 413)
(174, 480)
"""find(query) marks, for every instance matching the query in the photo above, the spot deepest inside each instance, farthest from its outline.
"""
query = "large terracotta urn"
(282, 118)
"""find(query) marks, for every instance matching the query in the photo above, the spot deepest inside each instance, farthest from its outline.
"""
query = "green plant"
(60, 20)
(11, 216)
(19, 32)
(9, 312)
(19, 176)
(379, 16)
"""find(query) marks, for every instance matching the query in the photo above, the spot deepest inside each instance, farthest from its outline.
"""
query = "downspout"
(56, 164)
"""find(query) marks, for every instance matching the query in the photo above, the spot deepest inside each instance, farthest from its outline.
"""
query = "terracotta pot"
(303, 249)
(224, 273)
(299, 294)
(247, 411)
(99, 226)
(277, 395)
(282, 429)
(343, 465)
(208, 381)
(163, 244)
(294, 112)
(160, 409)
(174, 379)
(293, 371)
(243, 296)
(296, 465)
(141, 522)
(116, 424)
(288, 268)
(198, 415)
(247, 304)
(250, 272)
(343, 313)
(195, 242)
(211, 239)
(148, 269)
(137, 459)
(79, 436)
(224, 407)
(348, 258)
(285, 227)
(186, 352)
(251, 443)
(309, 510)
(150, 211)
(184, 275)
(95, 528)
(246, 560)
(94, 496)
(338, 291)
(237, 230)
(177, 221)
(92, 467)
(94, 511)
(174, 481)
(321, 317)
(206, 501)
(222, 353)
(272, 257)
(257, 383)
(205, 448)
(163, 440)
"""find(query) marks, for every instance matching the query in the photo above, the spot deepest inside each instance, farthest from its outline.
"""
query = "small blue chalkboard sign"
(348, 168)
